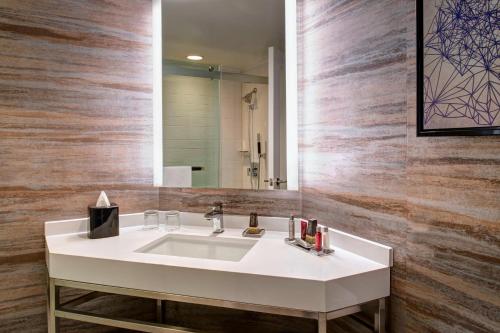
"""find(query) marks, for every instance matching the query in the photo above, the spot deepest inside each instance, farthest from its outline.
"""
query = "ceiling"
(232, 33)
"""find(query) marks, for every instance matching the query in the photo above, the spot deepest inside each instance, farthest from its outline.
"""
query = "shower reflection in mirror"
(224, 114)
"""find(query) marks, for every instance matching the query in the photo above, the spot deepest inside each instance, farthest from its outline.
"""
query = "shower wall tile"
(231, 159)
(75, 118)
(191, 126)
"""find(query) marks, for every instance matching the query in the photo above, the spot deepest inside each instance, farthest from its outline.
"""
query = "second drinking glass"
(172, 220)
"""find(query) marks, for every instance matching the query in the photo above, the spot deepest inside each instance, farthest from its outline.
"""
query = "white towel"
(177, 176)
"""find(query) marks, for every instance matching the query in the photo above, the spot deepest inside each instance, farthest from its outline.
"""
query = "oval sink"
(204, 247)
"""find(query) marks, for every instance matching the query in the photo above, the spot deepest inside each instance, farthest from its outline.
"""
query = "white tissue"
(103, 200)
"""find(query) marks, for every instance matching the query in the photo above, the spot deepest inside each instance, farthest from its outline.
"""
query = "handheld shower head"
(248, 97)
(251, 99)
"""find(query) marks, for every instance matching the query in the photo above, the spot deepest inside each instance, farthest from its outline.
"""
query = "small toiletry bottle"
(303, 229)
(254, 222)
(311, 231)
(325, 239)
(318, 245)
(291, 228)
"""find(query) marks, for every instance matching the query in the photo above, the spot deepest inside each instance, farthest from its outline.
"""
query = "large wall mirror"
(228, 94)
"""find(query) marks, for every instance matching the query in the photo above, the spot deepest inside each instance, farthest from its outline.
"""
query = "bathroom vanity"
(193, 265)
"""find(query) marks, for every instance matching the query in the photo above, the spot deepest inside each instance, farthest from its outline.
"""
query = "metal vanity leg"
(160, 311)
(322, 322)
(52, 303)
(380, 317)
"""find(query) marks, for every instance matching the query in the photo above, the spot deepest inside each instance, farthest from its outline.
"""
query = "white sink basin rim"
(203, 247)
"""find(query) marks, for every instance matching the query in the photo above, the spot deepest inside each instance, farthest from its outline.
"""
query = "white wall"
(260, 126)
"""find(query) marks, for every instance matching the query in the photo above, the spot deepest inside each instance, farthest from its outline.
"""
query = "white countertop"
(271, 273)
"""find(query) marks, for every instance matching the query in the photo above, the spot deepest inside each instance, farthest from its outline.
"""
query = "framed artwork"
(458, 67)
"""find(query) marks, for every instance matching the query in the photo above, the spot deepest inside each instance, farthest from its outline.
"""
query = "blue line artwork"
(461, 64)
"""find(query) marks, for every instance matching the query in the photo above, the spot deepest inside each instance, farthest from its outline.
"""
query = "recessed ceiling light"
(194, 57)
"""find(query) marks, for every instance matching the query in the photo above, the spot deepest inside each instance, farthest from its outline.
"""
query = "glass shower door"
(191, 122)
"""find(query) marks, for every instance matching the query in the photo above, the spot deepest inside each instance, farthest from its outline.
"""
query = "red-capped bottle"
(303, 229)
(318, 245)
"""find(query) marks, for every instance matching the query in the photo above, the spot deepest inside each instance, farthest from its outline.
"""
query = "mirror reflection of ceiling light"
(194, 57)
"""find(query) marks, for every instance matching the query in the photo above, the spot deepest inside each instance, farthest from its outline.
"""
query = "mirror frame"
(292, 147)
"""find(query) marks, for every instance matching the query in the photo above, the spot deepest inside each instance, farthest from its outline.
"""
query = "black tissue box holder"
(103, 221)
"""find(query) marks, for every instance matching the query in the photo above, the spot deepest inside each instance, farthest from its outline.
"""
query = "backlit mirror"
(224, 103)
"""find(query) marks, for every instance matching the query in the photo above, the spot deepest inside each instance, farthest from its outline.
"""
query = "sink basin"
(204, 247)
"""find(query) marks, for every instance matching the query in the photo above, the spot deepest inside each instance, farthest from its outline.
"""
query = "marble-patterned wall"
(75, 118)
(453, 247)
(363, 170)
(236, 201)
(75, 101)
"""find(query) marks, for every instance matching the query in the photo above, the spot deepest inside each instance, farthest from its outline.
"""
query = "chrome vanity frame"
(56, 310)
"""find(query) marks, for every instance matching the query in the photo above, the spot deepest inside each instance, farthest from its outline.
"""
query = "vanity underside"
(58, 310)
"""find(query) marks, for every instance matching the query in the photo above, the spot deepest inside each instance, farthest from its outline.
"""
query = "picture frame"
(468, 98)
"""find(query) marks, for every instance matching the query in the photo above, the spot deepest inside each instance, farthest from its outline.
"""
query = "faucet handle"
(217, 206)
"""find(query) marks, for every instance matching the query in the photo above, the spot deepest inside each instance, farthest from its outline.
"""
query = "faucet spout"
(209, 215)
(216, 215)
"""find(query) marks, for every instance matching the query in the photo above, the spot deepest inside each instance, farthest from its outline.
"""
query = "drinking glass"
(172, 220)
(151, 219)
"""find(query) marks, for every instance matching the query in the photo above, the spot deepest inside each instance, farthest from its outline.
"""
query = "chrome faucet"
(216, 215)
